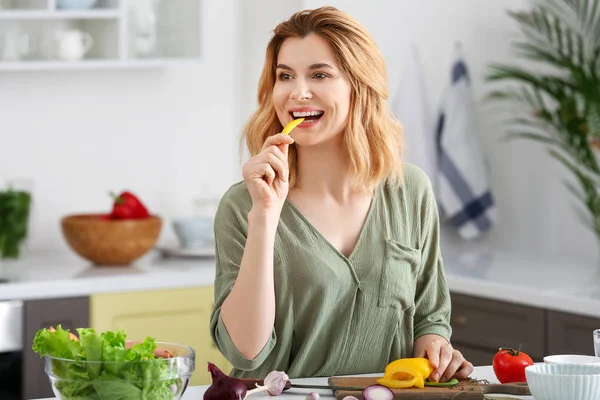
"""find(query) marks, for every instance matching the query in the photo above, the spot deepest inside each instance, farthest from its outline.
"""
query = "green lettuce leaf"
(110, 388)
(57, 344)
(121, 372)
(91, 344)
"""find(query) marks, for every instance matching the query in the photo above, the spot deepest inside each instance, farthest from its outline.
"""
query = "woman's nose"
(301, 90)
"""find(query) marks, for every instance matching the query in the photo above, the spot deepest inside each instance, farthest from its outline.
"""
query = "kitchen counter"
(568, 285)
(54, 275)
(484, 372)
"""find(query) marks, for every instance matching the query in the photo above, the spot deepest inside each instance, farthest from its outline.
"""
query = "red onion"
(377, 392)
(224, 387)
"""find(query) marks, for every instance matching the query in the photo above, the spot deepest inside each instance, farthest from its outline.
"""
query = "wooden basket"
(110, 242)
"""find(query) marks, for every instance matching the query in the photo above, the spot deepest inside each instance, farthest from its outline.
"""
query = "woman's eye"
(320, 75)
(284, 76)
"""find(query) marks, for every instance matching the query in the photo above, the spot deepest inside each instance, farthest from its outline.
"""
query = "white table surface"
(197, 392)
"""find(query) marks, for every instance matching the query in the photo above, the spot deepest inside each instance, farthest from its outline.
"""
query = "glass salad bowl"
(166, 377)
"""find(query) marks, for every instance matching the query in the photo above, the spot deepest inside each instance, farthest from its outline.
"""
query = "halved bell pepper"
(406, 372)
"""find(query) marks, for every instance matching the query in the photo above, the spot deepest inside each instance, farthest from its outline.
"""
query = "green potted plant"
(15, 203)
(560, 91)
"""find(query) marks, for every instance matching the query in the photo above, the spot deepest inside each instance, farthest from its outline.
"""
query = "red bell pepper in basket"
(128, 206)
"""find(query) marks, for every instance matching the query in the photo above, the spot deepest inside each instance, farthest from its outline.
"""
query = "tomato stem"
(512, 351)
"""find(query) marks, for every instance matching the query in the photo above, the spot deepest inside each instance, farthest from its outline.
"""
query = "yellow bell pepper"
(291, 125)
(406, 373)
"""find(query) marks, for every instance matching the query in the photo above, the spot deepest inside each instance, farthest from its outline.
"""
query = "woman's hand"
(266, 174)
(447, 362)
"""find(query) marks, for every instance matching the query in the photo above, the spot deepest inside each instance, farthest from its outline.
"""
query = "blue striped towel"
(464, 193)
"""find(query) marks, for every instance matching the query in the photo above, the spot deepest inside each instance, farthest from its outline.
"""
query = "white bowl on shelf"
(75, 4)
(571, 359)
(564, 381)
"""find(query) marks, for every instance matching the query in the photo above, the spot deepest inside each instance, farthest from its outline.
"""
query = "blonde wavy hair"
(373, 137)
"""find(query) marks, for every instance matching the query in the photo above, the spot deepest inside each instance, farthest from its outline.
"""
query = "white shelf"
(59, 15)
(93, 64)
(111, 25)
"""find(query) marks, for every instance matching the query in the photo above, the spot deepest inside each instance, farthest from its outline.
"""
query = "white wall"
(161, 134)
(258, 18)
(535, 210)
(165, 133)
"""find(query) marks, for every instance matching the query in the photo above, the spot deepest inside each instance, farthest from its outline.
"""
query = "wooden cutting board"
(465, 390)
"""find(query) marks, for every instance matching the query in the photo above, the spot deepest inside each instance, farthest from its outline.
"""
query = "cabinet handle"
(460, 320)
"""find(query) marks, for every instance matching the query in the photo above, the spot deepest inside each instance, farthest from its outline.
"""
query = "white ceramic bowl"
(571, 359)
(75, 4)
(564, 381)
(194, 232)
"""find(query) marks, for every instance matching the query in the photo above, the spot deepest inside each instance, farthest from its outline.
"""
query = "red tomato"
(509, 365)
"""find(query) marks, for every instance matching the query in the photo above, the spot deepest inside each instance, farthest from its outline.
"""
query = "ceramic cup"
(73, 44)
(14, 46)
(194, 232)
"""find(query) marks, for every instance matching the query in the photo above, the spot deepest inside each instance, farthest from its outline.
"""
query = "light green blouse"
(339, 315)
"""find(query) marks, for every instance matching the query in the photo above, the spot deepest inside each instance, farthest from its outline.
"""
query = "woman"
(328, 258)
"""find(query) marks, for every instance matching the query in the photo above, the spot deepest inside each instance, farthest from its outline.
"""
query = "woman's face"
(310, 84)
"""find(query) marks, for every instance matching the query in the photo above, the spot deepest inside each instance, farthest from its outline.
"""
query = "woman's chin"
(315, 139)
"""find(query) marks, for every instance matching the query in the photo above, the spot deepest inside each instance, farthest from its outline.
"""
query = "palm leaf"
(560, 107)
(553, 86)
(535, 137)
(588, 192)
(594, 121)
(579, 15)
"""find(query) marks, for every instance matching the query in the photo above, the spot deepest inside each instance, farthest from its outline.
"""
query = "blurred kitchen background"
(170, 133)
(151, 96)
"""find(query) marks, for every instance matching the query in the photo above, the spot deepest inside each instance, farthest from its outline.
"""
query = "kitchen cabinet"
(175, 315)
(570, 334)
(481, 326)
(111, 34)
(71, 313)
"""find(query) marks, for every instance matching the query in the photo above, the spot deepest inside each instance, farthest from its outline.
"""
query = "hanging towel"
(410, 108)
(464, 193)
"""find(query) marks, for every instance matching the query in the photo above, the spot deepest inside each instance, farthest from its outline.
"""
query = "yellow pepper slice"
(406, 372)
(402, 384)
(291, 125)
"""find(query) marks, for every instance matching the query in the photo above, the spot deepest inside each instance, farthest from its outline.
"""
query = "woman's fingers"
(277, 140)
(433, 354)
(275, 150)
(453, 366)
(268, 173)
(256, 168)
(277, 165)
(445, 356)
(465, 370)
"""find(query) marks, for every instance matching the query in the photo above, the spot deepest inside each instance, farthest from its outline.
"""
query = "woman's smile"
(311, 116)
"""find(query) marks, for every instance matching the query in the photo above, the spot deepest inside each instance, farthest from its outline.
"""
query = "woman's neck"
(323, 170)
